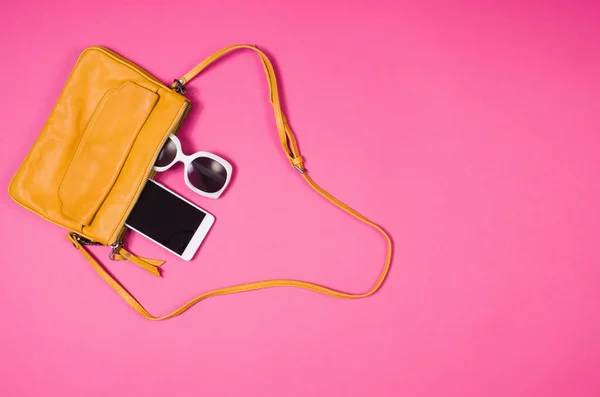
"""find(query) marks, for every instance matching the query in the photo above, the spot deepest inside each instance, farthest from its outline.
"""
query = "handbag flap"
(92, 158)
(103, 150)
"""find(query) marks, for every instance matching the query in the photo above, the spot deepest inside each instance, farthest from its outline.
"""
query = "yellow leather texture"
(97, 148)
(96, 151)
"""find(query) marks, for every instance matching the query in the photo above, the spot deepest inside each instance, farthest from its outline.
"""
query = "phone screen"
(165, 218)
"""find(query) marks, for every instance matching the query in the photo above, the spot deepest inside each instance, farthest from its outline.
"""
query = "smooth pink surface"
(470, 132)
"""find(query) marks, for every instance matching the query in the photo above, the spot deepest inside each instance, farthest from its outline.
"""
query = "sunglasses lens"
(167, 154)
(207, 174)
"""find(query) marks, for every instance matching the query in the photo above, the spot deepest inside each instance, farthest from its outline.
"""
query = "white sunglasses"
(205, 173)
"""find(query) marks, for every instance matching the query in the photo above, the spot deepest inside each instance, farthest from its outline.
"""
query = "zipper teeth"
(173, 130)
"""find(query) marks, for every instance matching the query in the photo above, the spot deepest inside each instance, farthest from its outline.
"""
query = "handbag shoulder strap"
(286, 137)
(288, 143)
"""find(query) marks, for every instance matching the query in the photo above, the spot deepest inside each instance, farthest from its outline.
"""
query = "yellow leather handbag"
(95, 153)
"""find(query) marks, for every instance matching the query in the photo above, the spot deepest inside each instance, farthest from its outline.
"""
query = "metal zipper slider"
(179, 87)
(115, 248)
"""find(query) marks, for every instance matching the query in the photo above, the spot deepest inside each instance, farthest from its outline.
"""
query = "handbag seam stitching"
(117, 57)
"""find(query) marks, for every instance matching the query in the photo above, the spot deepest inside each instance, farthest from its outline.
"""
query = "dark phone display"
(165, 218)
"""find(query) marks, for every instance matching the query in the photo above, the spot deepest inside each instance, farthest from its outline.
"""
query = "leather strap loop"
(290, 147)
(298, 163)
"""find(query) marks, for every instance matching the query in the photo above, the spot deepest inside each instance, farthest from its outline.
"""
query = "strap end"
(148, 264)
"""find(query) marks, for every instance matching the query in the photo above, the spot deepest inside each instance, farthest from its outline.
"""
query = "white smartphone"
(169, 220)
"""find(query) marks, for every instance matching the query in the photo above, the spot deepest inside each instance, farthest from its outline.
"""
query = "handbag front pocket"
(103, 149)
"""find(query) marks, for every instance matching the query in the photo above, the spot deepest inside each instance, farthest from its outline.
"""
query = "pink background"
(471, 132)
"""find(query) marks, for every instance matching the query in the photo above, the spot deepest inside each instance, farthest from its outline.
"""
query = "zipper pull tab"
(119, 253)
